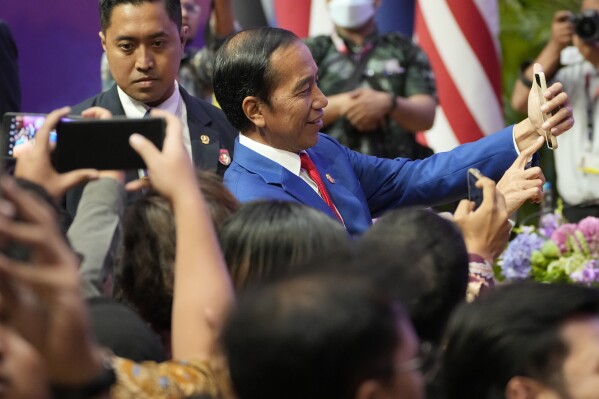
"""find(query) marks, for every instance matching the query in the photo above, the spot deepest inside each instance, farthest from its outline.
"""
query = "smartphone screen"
(19, 130)
(475, 194)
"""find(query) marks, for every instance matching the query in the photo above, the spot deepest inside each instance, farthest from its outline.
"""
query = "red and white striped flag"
(460, 39)
(303, 17)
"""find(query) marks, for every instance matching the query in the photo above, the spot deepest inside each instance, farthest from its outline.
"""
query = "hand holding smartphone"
(82, 143)
(475, 194)
(541, 84)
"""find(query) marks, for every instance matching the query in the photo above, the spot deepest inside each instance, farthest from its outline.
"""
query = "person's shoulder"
(98, 99)
(327, 142)
(318, 40)
(318, 45)
(398, 40)
(247, 185)
(216, 114)
(396, 37)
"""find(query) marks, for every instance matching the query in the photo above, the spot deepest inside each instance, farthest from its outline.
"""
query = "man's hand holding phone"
(548, 111)
(519, 184)
(485, 229)
(541, 87)
(35, 165)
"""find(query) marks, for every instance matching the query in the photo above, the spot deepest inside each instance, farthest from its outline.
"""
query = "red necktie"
(309, 167)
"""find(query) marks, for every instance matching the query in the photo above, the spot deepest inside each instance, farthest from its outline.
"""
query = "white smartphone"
(541, 83)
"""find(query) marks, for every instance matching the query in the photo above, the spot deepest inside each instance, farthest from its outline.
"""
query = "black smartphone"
(475, 194)
(103, 143)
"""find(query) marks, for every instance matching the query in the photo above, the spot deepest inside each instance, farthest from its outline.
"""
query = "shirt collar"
(288, 160)
(137, 109)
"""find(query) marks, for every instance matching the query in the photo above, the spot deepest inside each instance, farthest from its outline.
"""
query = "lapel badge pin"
(204, 139)
(330, 178)
(224, 157)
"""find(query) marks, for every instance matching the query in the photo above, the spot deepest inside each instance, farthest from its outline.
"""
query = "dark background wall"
(59, 50)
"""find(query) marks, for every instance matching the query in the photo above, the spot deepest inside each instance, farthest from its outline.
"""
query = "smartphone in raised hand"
(103, 143)
(541, 84)
(475, 194)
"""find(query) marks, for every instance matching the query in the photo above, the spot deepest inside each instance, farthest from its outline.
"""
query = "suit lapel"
(275, 174)
(112, 102)
(205, 141)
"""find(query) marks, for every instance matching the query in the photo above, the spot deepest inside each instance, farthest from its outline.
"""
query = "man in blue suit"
(266, 83)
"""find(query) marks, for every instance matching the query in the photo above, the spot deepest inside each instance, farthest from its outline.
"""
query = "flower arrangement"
(555, 251)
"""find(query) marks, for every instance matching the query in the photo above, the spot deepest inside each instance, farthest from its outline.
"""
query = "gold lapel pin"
(205, 139)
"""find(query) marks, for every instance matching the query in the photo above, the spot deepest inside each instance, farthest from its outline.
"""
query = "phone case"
(541, 83)
(103, 143)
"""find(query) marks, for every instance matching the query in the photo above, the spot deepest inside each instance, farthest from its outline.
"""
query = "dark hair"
(316, 336)
(144, 274)
(421, 259)
(266, 240)
(173, 9)
(513, 331)
(221, 203)
(242, 68)
(144, 277)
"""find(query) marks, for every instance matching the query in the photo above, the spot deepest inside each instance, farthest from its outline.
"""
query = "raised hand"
(34, 165)
(41, 295)
(486, 229)
(519, 184)
(557, 104)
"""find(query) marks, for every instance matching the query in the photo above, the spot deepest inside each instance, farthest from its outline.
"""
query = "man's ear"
(252, 108)
(102, 39)
(520, 387)
(183, 35)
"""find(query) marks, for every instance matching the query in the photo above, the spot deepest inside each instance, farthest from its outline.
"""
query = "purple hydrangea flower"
(549, 223)
(561, 234)
(516, 258)
(589, 273)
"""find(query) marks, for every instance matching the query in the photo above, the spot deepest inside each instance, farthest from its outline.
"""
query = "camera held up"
(586, 25)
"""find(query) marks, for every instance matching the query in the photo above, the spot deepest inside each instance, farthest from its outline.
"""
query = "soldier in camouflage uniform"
(395, 95)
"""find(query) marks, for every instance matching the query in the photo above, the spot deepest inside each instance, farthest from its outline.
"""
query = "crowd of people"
(257, 257)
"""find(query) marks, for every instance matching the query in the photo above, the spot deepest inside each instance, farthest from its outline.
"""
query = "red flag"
(459, 37)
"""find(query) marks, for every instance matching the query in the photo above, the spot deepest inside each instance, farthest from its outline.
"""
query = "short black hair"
(314, 336)
(266, 240)
(421, 259)
(242, 69)
(173, 9)
(512, 331)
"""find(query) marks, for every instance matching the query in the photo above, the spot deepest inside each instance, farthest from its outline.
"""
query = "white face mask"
(351, 14)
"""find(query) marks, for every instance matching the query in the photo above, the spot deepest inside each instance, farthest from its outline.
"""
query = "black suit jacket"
(10, 89)
(202, 118)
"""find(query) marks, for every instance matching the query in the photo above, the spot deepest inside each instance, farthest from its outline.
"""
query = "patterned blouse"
(170, 380)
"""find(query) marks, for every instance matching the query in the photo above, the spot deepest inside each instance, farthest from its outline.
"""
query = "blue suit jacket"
(362, 186)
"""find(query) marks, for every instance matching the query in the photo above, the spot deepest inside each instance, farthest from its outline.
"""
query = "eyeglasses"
(191, 8)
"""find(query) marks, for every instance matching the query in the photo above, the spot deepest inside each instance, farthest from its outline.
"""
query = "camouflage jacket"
(397, 65)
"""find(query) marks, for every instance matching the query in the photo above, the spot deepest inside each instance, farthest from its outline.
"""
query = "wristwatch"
(100, 384)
